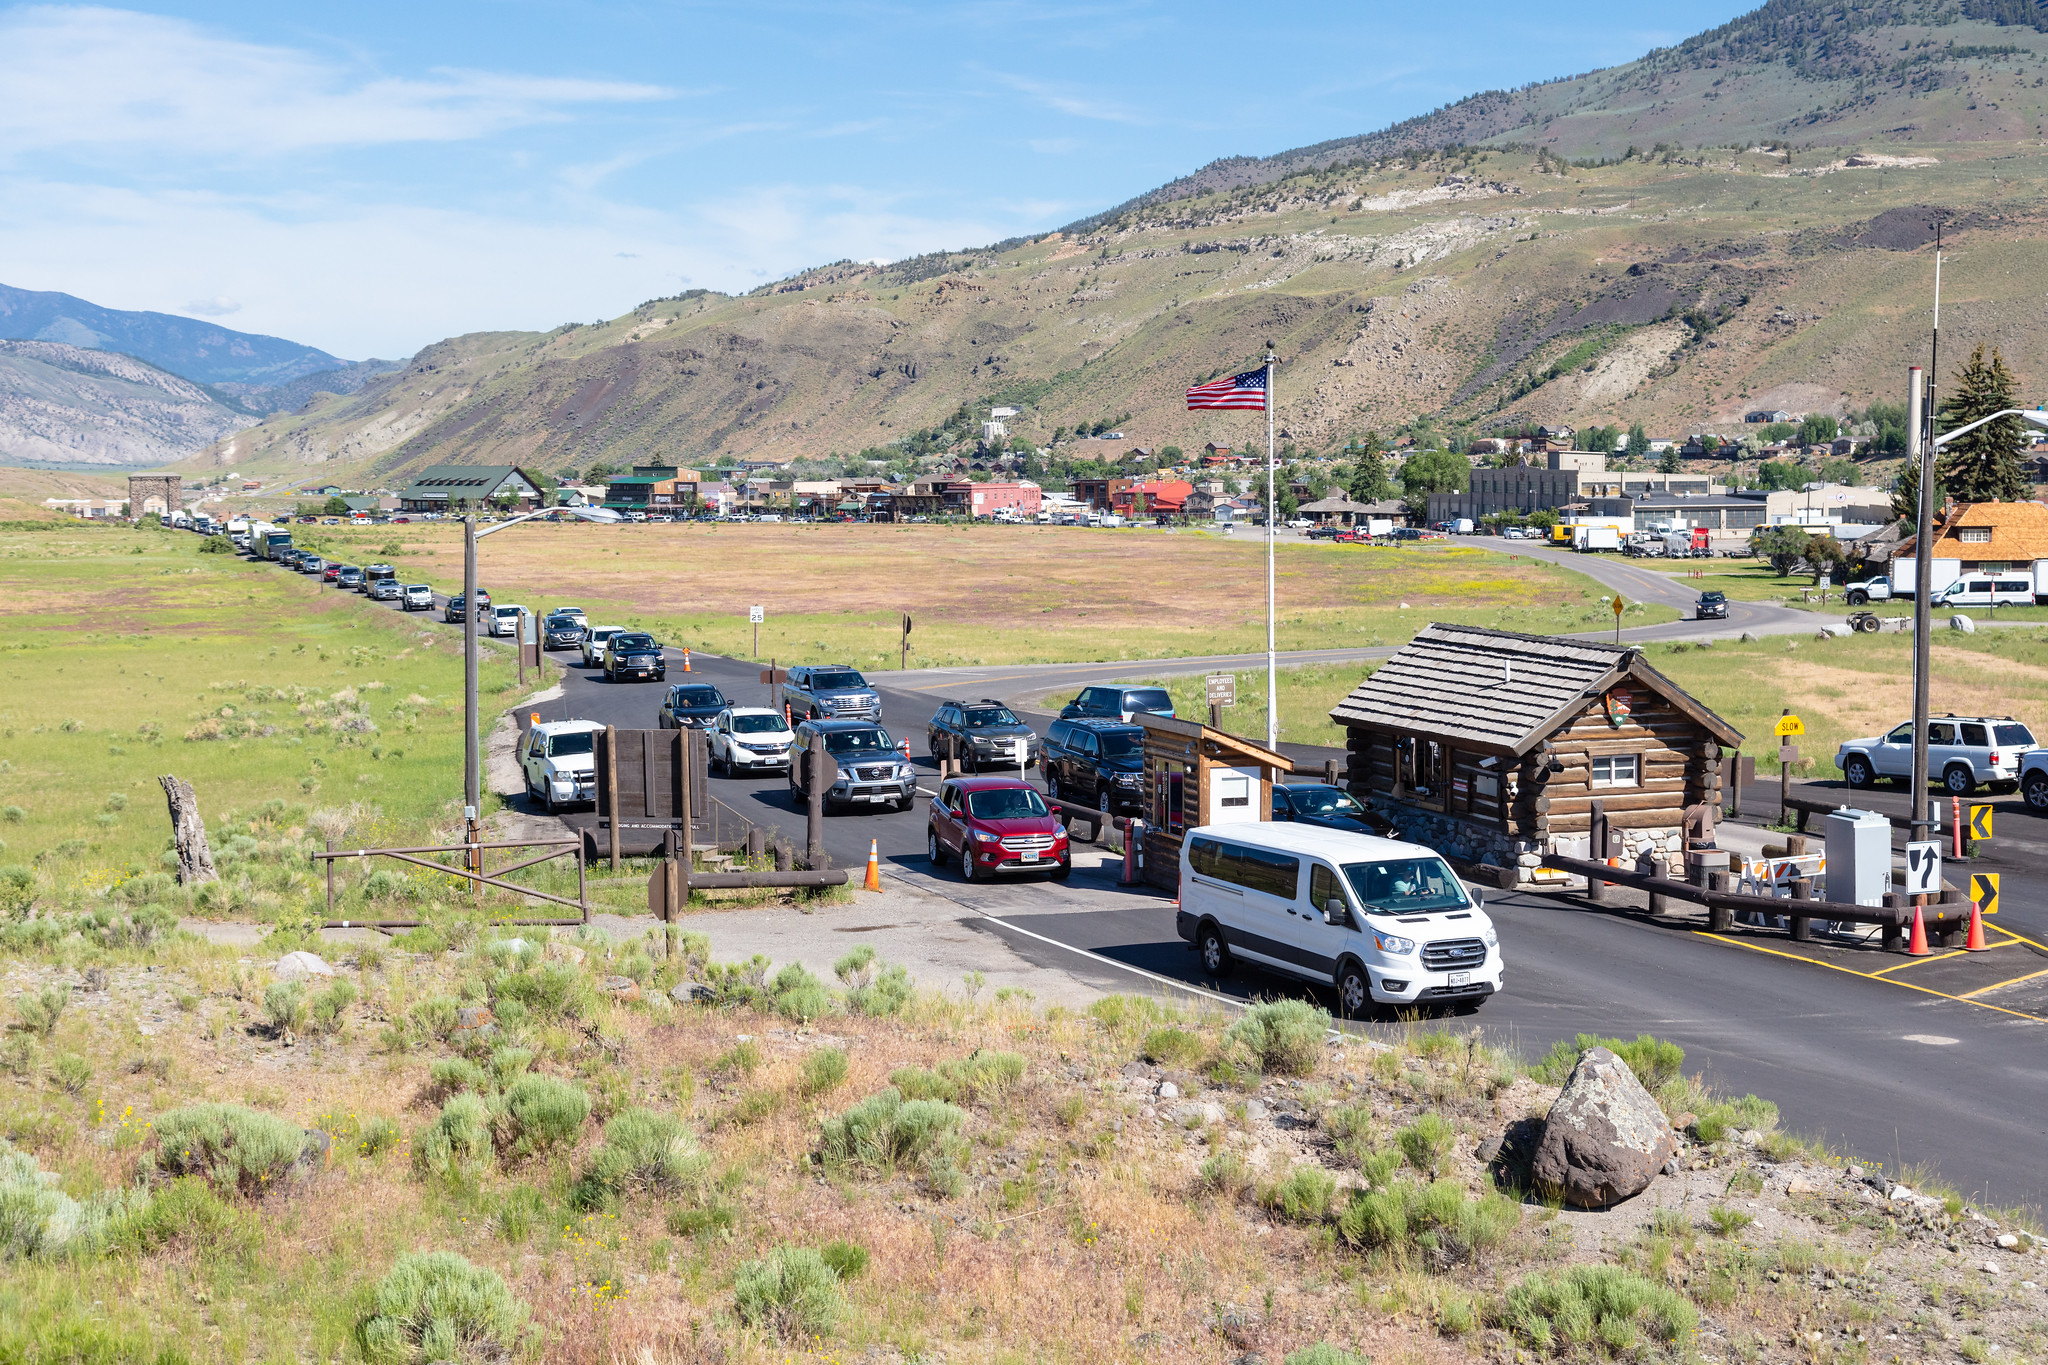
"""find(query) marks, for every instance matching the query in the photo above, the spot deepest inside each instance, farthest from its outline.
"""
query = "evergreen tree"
(1670, 464)
(1638, 442)
(1906, 495)
(1983, 466)
(1368, 481)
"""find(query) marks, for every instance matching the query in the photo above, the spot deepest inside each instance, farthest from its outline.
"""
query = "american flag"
(1245, 391)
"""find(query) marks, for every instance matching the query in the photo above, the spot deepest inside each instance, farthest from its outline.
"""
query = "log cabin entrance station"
(1491, 747)
(1196, 775)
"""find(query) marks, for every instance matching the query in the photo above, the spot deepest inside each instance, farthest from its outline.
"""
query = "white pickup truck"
(1868, 591)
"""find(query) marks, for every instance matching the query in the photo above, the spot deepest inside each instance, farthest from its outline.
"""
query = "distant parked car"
(456, 607)
(561, 631)
(504, 620)
(1097, 761)
(983, 733)
(1962, 753)
(1317, 803)
(418, 597)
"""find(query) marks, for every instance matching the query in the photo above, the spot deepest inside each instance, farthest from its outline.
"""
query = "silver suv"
(1963, 752)
(830, 692)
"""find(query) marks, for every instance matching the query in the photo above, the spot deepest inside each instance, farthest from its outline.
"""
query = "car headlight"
(982, 836)
(1489, 938)
(1392, 943)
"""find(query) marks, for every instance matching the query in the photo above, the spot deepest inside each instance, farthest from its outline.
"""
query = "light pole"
(472, 758)
(1921, 454)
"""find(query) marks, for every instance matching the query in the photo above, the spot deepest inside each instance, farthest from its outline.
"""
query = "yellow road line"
(1902, 985)
(1912, 962)
(2003, 984)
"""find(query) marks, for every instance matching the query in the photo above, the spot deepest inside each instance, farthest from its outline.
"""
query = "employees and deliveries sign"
(1221, 689)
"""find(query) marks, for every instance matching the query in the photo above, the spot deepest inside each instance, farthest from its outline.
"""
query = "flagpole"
(1272, 515)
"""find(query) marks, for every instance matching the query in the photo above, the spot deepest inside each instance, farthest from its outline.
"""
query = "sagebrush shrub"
(1426, 1142)
(436, 1305)
(643, 1153)
(537, 1114)
(330, 1007)
(1304, 1194)
(796, 994)
(237, 1149)
(40, 1013)
(1323, 1353)
(458, 1142)
(1286, 1036)
(885, 1130)
(824, 1069)
(1176, 1047)
(791, 1291)
(284, 1005)
(1594, 1307)
(981, 1075)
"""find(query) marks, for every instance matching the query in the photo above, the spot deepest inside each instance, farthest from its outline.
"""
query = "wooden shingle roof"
(1495, 690)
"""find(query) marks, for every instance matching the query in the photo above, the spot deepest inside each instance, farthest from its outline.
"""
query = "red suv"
(995, 825)
(331, 574)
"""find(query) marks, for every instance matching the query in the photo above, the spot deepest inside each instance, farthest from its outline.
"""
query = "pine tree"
(1906, 495)
(1983, 466)
(1369, 481)
(1638, 442)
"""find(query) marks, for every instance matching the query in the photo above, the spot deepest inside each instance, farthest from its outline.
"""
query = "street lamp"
(1922, 460)
(472, 767)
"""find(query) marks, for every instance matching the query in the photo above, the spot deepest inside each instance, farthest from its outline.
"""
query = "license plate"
(1027, 857)
(1461, 978)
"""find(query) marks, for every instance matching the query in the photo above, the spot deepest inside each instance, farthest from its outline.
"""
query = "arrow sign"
(1980, 822)
(1923, 867)
(1984, 891)
(1788, 726)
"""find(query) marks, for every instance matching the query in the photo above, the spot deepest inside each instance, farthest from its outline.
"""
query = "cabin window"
(1615, 770)
(1974, 535)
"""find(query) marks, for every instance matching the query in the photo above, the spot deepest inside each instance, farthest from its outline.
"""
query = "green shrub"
(1728, 1221)
(1177, 1047)
(701, 1222)
(1374, 1219)
(1131, 1016)
(331, 1005)
(457, 1075)
(1285, 1036)
(17, 891)
(538, 1114)
(435, 1305)
(551, 992)
(1226, 1173)
(1655, 1062)
(980, 1075)
(643, 1153)
(72, 1073)
(40, 1013)
(1323, 1353)
(509, 1063)
(796, 994)
(236, 1148)
(889, 994)
(824, 1069)
(1426, 1142)
(188, 1211)
(885, 1130)
(377, 1137)
(1437, 1219)
(458, 1142)
(791, 1291)
(37, 1218)
(284, 1005)
(1594, 1307)
(740, 1059)
(1303, 1195)
(849, 1260)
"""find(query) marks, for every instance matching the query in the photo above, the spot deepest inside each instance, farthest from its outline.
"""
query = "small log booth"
(1492, 747)
(1198, 776)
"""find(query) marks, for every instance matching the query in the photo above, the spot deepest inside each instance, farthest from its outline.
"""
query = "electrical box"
(1859, 856)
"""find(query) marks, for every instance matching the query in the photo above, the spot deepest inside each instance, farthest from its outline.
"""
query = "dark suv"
(1119, 702)
(871, 772)
(634, 654)
(834, 690)
(455, 608)
(1099, 762)
(981, 733)
(1317, 803)
(692, 706)
(1712, 606)
(562, 632)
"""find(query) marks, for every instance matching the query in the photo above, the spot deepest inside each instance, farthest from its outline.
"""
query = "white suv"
(418, 597)
(1379, 919)
(594, 641)
(505, 620)
(559, 762)
(748, 739)
(1962, 752)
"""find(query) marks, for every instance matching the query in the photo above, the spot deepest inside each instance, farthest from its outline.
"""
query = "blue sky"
(373, 177)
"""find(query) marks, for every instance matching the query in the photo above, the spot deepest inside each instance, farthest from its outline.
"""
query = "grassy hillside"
(1671, 287)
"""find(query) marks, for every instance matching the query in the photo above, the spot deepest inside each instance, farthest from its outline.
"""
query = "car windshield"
(1713, 597)
(1005, 803)
(633, 640)
(1147, 699)
(1122, 743)
(1405, 886)
(873, 741)
(757, 725)
(418, 587)
(1324, 801)
(981, 717)
(2011, 733)
(575, 742)
(698, 696)
(838, 682)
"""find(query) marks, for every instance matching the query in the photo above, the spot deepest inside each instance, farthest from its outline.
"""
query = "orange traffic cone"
(1917, 947)
(686, 658)
(1975, 943)
(874, 881)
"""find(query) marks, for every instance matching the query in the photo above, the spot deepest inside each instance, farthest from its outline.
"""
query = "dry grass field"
(980, 595)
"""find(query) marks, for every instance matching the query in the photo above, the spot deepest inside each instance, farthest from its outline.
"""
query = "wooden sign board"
(645, 770)
(1221, 689)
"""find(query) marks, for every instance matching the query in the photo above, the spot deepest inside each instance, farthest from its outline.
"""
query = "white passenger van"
(1379, 919)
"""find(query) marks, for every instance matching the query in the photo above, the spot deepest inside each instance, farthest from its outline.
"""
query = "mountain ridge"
(203, 352)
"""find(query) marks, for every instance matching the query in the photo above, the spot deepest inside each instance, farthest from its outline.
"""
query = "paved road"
(1885, 1073)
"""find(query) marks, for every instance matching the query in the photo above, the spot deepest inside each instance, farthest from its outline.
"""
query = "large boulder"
(1605, 1138)
(302, 966)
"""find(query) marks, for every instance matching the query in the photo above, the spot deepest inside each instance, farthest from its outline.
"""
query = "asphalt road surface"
(1885, 1074)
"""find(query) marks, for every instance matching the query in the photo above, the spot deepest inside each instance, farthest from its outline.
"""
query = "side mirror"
(1478, 894)
(1334, 911)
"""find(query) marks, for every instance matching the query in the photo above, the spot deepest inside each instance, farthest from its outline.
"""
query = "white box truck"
(1591, 538)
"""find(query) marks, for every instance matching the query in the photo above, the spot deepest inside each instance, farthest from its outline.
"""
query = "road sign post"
(772, 678)
(1788, 727)
(1984, 891)
(1221, 691)
(756, 616)
(1923, 868)
(904, 661)
(1619, 606)
(1980, 821)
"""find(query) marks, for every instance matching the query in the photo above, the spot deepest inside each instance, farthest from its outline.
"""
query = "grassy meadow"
(982, 595)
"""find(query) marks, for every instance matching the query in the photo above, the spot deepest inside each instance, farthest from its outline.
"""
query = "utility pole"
(472, 776)
(1920, 452)
(1272, 518)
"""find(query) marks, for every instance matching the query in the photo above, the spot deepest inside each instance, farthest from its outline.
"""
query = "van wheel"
(1856, 771)
(1215, 952)
(1354, 990)
(1959, 780)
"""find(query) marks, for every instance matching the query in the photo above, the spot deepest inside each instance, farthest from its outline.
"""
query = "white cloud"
(211, 308)
(1066, 100)
(83, 77)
